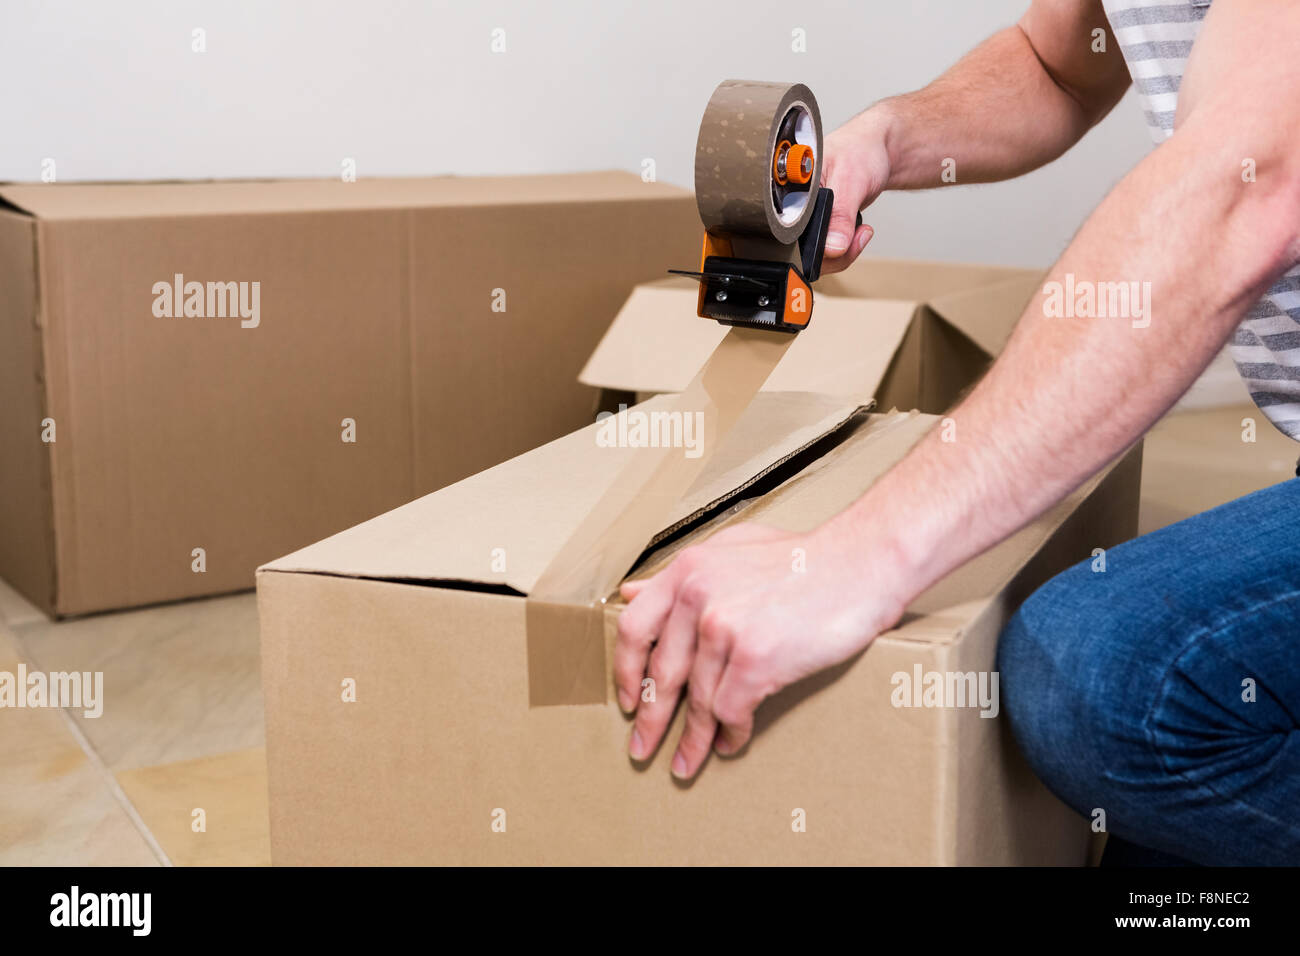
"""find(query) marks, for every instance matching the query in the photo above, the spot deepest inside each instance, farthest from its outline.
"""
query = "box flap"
(55, 201)
(988, 314)
(981, 301)
(656, 343)
(503, 526)
(915, 280)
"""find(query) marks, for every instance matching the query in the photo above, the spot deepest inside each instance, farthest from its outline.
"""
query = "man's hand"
(856, 166)
(734, 620)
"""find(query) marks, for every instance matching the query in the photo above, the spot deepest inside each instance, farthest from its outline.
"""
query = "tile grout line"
(116, 790)
(101, 768)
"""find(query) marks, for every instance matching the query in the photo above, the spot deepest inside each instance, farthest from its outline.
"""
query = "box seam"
(949, 756)
(41, 372)
(408, 317)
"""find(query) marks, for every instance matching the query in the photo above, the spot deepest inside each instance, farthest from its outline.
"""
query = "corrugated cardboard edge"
(26, 482)
(744, 486)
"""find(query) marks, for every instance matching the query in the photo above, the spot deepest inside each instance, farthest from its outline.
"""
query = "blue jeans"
(1165, 690)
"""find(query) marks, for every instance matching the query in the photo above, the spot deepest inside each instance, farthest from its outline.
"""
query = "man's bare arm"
(1017, 101)
(1069, 394)
(1014, 103)
(728, 622)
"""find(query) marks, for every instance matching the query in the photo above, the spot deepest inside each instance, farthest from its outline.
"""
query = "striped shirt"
(1156, 37)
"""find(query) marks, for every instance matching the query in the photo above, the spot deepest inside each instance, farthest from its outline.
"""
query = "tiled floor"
(174, 770)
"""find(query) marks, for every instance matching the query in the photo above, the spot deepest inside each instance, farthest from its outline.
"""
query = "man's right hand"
(856, 166)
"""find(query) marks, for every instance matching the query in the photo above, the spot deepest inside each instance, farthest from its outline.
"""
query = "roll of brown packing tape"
(735, 189)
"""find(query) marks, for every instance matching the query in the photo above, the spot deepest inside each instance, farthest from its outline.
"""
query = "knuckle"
(631, 630)
(695, 590)
(625, 628)
(747, 659)
(698, 704)
(715, 626)
(667, 669)
(699, 712)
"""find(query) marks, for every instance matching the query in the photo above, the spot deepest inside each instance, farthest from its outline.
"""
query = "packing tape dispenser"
(758, 163)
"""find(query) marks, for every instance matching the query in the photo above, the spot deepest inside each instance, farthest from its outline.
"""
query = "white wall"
(112, 90)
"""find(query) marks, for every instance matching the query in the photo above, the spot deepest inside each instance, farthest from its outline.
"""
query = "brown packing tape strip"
(566, 651)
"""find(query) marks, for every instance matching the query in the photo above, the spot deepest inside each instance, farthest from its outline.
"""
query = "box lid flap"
(502, 526)
(988, 314)
(656, 343)
(56, 201)
(915, 280)
(982, 301)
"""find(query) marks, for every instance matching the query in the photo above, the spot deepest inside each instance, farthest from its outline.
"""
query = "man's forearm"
(997, 113)
(1070, 393)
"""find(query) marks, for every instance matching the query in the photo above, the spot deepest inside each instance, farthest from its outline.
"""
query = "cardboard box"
(908, 334)
(442, 320)
(420, 615)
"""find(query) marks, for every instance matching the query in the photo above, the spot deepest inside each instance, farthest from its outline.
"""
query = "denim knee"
(1077, 686)
(1163, 689)
(1124, 701)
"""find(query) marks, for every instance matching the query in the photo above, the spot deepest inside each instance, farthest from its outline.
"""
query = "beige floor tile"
(231, 791)
(1197, 460)
(16, 611)
(180, 680)
(56, 806)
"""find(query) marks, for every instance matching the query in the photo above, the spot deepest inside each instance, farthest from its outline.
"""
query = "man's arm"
(1069, 394)
(1017, 101)
(733, 623)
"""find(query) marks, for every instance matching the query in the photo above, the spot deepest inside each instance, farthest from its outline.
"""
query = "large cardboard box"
(158, 445)
(908, 334)
(398, 669)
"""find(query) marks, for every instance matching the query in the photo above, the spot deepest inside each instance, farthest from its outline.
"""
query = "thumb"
(849, 198)
(851, 183)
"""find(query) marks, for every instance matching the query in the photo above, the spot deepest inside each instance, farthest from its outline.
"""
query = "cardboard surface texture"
(439, 322)
(441, 758)
(908, 334)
